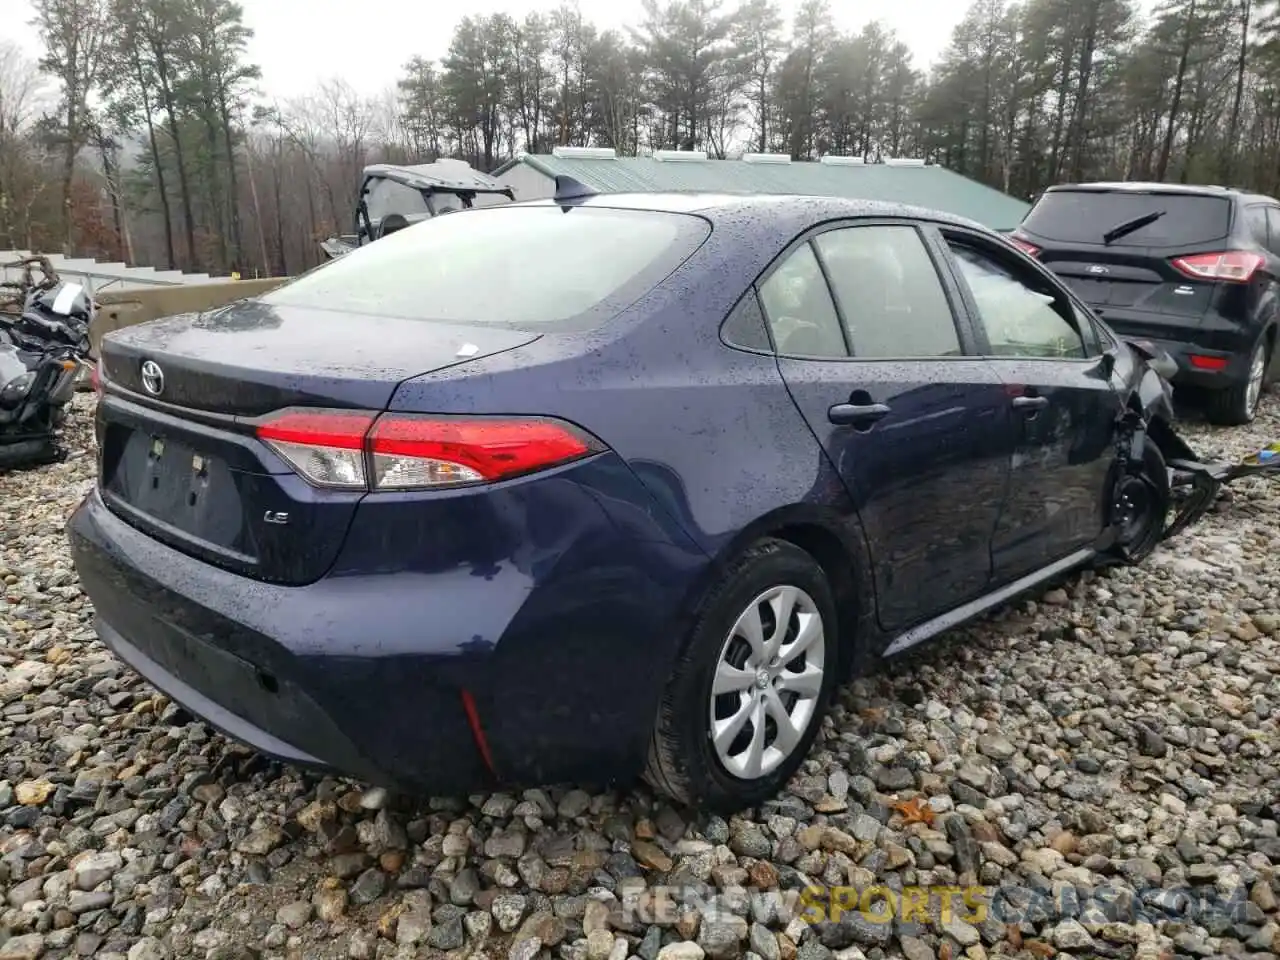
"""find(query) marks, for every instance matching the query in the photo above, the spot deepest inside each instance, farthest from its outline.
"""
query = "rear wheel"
(748, 694)
(1238, 405)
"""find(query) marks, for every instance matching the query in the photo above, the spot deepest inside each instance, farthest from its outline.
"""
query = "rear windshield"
(514, 266)
(1083, 216)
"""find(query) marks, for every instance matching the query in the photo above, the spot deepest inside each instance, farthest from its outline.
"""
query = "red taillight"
(1235, 266)
(1202, 362)
(95, 377)
(325, 447)
(1030, 249)
(362, 451)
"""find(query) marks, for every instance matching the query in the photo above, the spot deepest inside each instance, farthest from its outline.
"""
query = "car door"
(869, 347)
(1064, 449)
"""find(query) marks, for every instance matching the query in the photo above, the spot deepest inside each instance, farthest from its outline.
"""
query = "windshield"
(513, 266)
(1086, 216)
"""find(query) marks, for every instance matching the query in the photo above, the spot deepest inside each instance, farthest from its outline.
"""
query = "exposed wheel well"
(837, 564)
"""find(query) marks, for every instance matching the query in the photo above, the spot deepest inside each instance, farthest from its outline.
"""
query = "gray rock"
(413, 927)
(1070, 935)
(295, 915)
(681, 950)
(28, 946)
(447, 934)
(369, 886)
(508, 910)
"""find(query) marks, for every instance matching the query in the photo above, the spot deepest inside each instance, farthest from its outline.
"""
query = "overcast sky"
(300, 42)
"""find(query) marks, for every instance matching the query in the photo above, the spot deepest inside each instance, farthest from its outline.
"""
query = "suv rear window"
(522, 267)
(1083, 216)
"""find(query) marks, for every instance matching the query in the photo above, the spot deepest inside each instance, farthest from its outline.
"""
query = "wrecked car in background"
(393, 197)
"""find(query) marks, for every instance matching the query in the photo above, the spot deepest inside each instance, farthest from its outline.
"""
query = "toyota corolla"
(579, 489)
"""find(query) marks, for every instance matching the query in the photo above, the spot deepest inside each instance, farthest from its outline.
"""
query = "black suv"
(1192, 268)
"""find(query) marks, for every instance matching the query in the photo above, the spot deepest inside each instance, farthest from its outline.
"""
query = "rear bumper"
(1183, 338)
(365, 674)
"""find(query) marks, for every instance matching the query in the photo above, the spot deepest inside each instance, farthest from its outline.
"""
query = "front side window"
(889, 292)
(797, 303)
(1019, 321)
(521, 267)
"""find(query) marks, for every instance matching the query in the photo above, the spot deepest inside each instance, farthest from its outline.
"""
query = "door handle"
(857, 414)
(1030, 403)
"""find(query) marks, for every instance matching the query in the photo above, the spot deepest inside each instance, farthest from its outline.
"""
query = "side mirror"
(1108, 362)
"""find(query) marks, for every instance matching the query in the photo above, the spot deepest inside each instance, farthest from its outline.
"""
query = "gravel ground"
(1100, 759)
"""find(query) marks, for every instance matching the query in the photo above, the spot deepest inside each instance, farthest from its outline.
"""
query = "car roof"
(788, 207)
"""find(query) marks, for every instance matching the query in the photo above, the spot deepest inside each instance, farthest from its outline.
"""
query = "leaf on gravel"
(915, 810)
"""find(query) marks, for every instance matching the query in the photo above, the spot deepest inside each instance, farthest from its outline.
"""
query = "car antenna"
(567, 188)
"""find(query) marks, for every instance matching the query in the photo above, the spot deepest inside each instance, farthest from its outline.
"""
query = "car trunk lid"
(179, 458)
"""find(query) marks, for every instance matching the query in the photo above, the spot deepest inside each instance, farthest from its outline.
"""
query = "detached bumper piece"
(1196, 485)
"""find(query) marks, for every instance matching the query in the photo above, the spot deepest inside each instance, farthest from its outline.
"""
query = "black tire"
(683, 761)
(1144, 485)
(1232, 406)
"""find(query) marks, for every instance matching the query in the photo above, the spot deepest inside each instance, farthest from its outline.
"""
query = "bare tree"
(74, 34)
(23, 94)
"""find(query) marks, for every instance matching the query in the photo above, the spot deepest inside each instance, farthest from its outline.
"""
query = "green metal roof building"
(531, 176)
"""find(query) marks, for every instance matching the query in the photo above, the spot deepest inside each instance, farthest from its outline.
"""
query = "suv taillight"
(1234, 266)
(1030, 249)
(355, 450)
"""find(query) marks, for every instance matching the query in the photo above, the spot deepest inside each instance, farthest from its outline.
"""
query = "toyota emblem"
(152, 378)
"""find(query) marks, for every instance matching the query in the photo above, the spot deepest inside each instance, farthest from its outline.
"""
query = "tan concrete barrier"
(125, 308)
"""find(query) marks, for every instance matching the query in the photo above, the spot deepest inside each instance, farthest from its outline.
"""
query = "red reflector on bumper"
(1201, 362)
(473, 720)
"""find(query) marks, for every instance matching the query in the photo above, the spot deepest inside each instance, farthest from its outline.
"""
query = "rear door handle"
(1030, 403)
(857, 414)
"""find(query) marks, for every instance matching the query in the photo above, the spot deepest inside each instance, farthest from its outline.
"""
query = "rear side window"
(1273, 223)
(744, 326)
(523, 267)
(1085, 216)
(889, 292)
(801, 313)
(1256, 219)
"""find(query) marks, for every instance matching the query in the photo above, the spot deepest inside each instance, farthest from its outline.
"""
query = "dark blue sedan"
(577, 489)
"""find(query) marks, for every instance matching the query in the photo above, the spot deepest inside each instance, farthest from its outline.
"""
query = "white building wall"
(528, 183)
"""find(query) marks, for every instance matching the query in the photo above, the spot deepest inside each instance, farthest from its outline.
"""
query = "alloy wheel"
(767, 682)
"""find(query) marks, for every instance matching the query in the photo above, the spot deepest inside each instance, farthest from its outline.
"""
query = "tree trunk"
(1233, 128)
(169, 102)
(1166, 150)
(68, 173)
(112, 175)
(166, 212)
(1084, 73)
(228, 136)
(215, 219)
